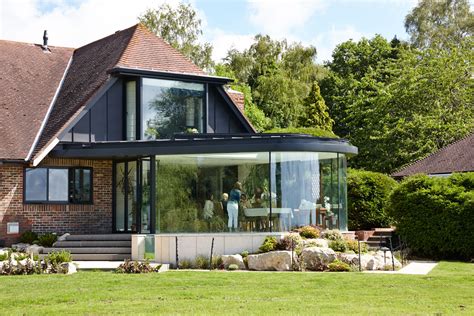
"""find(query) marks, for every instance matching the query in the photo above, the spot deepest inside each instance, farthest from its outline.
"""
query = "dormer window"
(164, 108)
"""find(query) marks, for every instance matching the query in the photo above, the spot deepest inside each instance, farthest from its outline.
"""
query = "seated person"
(244, 202)
(225, 198)
(208, 210)
(256, 200)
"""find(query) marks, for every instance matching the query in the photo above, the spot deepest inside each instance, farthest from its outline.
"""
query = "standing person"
(233, 206)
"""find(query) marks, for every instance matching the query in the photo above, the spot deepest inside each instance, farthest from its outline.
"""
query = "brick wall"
(41, 218)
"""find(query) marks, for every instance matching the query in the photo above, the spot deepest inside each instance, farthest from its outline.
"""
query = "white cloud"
(222, 42)
(327, 41)
(68, 24)
(280, 18)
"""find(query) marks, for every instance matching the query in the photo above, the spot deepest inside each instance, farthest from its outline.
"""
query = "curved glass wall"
(279, 191)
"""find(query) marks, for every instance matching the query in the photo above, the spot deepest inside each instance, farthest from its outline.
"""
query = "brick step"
(101, 237)
(92, 243)
(91, 250)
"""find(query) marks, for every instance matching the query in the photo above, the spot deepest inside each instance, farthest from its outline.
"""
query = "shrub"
(244, 254)
(28, 237)
(233, 267)
(185, 264)
(313, 131)
(435, 215)
(339, 266)
(333, 235)
(269, 244)
(309, 232)
(47, 240)
(338, 245)
(4, 256)
(26, 268)
(354, 246)
(201, 262)
(291, 241)
(57, 257)
(217, 262)
(368, 199)
(130, 266)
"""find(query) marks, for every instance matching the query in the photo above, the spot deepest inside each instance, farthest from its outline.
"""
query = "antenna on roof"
(45, 40)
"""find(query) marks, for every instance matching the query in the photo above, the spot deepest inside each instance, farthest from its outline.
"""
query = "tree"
(315, 112)
(439, 23)
(181, 28)
(279, 76)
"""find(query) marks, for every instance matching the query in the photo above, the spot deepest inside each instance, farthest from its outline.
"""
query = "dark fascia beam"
(123, 149)
(170, 75)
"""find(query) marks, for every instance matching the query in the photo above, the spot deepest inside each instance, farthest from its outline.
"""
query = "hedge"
(317, 132)
(435, 216)
(367, 194)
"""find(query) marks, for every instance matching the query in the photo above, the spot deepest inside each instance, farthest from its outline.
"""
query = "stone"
(272, 261)
(68, 267)
(353, 259)
(34, 250)
(227, 260)
(317, 258)
(63, 237)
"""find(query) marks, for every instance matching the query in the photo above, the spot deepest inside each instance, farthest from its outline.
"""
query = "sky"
(226, 23)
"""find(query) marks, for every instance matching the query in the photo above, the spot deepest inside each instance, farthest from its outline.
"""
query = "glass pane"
(81, 186)
(145, 209)
(170, 107)
(58, 185)
(132, 196)
(131, 103)
(295, 191)
(120, 197)
(35, 184)
(330, 191)
(342, 192)
(192, 192)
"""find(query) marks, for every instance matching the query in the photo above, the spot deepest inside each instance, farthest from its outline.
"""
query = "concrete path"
(109, 265)
(414, 267)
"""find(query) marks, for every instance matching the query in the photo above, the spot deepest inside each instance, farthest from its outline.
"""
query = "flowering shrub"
(130, 266)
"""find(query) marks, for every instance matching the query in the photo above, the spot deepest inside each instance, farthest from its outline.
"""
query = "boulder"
(68, 267)
(353, 259)
(63, 237)
(34, 250)
(386, 260)
(227, 260)
(272, 261)
(317, 258)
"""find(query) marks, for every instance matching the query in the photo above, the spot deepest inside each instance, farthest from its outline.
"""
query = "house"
(127, 136)
(456, 157)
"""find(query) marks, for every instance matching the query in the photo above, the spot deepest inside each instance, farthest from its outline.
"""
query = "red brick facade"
(57, 218)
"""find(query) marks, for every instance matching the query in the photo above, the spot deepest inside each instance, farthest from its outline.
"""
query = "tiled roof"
(29, 78)
(135, 47)
(457, 157)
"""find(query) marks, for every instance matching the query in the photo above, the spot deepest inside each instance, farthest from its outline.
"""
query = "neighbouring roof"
(457, 157)
(29, 79)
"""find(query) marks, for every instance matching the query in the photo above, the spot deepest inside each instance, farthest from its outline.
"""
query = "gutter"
(48, 113)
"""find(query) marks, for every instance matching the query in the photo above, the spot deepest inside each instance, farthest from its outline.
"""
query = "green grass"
(448, 289)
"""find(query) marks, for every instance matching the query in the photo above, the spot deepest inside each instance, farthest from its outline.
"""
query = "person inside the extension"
(233, 206)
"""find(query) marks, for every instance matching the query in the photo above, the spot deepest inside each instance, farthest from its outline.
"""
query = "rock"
(353, 259)
(227, 260)
(34, 250)
(21, 247)
(68, 267)
(316, 258)
(322, 243)
(272, 261)
(63, 237)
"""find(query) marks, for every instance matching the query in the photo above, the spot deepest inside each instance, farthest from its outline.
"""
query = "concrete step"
(92, 243)
(101, 237)
(91, 250)
(100, 257)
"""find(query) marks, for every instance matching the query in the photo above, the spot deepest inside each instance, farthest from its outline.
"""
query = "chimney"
(45, 40)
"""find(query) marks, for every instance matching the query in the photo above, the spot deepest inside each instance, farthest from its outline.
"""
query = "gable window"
(169, 107)
(58, 185)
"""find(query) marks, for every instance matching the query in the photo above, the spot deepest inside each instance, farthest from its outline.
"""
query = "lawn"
(448, 289)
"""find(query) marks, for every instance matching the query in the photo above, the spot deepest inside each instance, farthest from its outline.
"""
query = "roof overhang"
(201, 143)
(169, 75)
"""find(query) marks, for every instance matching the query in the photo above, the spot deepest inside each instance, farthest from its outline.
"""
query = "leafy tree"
(315, 112)
(440, 23)
(181, 28)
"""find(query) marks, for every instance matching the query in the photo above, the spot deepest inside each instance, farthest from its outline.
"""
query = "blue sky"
(226, 24)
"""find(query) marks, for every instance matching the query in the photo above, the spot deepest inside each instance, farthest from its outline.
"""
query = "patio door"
(133, 197)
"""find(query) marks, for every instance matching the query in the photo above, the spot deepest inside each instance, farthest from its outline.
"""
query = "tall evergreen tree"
(315, 110)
